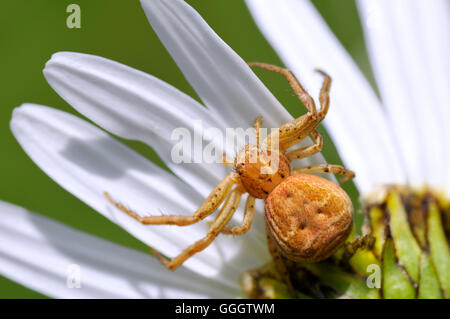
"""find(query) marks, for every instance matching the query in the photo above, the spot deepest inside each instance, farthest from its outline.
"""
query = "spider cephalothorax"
(307, 217)
(260, 171)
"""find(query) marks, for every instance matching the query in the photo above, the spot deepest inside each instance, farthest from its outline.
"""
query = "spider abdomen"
(308, 217)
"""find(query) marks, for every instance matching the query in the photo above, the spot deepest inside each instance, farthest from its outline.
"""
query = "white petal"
(135, 105)
(86, 161)
(408, 42)
(46, 256)
(221, 78)
(356, 120)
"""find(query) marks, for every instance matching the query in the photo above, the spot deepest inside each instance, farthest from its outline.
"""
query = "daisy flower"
(87, 161)
(381, 143)
(399, 144)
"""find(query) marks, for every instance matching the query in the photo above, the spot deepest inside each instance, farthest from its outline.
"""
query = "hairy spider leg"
(325, 168)
(295, 84)
(249, 213)
(212, 202)
(221, 220)
(324, 98)
(296, 130)
(257, 127)
(309, 150)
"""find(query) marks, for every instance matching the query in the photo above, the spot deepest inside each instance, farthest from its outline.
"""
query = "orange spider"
(307, 217)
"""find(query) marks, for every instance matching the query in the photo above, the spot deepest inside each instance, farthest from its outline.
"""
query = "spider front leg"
(211, 203)
(249, 213)
(325, 168)
(224, 216)
(306, 150)
(318, 140)
(295, 84)
(257, 127)
(226, 162)
(299, 128)
(324, 96)
(298, 89)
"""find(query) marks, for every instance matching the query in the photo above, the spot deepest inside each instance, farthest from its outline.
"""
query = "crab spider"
(307, 217)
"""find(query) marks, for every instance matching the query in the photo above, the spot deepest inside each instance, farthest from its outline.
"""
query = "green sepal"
(429, 284)
(439, 250)
(407, 249)
(396, 285)
(361, 260)
(378, 226)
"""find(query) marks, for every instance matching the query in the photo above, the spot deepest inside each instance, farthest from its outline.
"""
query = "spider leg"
(295, 84)
(224, 216)
(249, 213)
(257, 127)
(325, 168)
(306, 150)
(225, 161)
(324, 96)
(280, 263)
(295, 131)
(211, 203)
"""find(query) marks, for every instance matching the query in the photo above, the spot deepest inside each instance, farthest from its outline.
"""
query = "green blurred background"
(32, 30)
